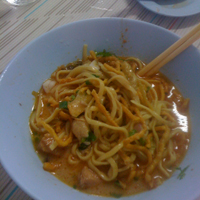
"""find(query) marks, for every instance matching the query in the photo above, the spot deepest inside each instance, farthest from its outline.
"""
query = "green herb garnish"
(88, 82)
(73, 97)
(91, 137)
(136, 178)
(132, 132)
(35, 133)
(119, 58)
(182, 172)
(142, 141)
(117, 183)
(83, 140)
(115, 195)
(83, 146)
(96, 75)
(63, 105)
(36, 139)
(77, 91)
(148, 88)
(74, 186)
(104, 53)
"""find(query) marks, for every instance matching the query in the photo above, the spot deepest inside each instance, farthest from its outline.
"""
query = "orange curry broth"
(69, 173)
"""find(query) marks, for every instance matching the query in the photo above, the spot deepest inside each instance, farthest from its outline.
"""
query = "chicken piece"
(48, 85)
(44, 145)
(95, 66)
(155, 182)
(45, 142)
(129, 73)
(88, 178)
(138, 127)
(79, 104)
(80, 128)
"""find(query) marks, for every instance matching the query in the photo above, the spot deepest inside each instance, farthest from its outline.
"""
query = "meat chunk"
(138, 127)
(155, 182)
(79, 104)
(80, 128)
(44, 145)
(48, 85)
(45, 142)
(129, 73)
(88, 178)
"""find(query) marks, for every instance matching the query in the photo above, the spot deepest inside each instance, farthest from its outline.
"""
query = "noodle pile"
(131, 123)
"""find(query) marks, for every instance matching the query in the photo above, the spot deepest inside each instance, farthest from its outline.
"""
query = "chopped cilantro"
(148, 88)
(73, 97)
(83, 146)
(88, 82)
(117, 183)
(104, 53)
(83, 140)
(77, 91)
(142, 141)
(136, 178)
(74, 186)
(37, 139)
(182, 172)
(35, 133)
(120, 58)
(132, 132)
(91, 137)
(63, 104)
(115, 195)
(95, 75)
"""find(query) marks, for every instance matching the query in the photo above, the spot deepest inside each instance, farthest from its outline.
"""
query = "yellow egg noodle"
(120, 126)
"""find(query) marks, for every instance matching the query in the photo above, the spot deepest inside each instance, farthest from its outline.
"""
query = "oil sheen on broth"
(103, 130)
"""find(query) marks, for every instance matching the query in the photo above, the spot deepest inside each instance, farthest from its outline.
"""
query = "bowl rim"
(9, 67)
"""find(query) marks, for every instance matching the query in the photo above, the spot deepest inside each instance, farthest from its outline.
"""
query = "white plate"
(33, 64)
(174, 8)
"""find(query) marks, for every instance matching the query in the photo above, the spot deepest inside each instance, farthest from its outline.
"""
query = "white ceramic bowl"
(32, 65)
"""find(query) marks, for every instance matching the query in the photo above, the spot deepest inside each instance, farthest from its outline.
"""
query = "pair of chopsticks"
(171, 52)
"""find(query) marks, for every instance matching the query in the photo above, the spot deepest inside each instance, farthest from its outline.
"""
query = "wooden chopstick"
(171, 52)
